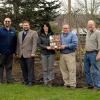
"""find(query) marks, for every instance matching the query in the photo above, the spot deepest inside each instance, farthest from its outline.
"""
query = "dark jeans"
(27, 66)
(6, 62)
(91, 67)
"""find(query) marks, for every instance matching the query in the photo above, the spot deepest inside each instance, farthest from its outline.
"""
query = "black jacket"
(43, 42)
(8, 41)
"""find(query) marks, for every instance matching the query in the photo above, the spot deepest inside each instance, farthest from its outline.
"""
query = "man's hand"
(16, 56)
(98, 57)
(49, 47)
(63, 46)
(32, 55)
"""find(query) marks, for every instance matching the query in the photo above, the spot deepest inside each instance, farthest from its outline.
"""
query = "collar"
(65, 34)
(91, 32)
(26, 31)
(6, 29)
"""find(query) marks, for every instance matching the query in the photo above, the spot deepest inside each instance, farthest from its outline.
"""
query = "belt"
(95, 51)
(67, 52)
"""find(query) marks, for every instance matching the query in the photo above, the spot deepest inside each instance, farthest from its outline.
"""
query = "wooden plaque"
(55, 41)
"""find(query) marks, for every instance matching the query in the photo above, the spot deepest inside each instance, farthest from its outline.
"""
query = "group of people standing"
(24, 47)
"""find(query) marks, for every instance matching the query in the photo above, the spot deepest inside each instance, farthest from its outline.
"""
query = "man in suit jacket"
(26, 47)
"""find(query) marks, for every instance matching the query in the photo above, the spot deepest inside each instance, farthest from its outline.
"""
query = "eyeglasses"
(7, 21)
(65, 28)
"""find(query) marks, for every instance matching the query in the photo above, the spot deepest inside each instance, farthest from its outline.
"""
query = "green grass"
(40, 92)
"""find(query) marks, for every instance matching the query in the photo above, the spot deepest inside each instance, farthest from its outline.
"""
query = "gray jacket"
(28, 46)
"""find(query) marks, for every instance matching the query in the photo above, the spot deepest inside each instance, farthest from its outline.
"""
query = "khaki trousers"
(68, 69)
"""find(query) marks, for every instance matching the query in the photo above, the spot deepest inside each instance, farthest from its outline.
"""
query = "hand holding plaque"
(55, 42)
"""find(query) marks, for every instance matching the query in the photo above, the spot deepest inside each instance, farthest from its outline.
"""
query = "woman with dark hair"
(47, 53)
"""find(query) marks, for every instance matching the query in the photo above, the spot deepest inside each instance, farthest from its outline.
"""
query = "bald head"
(7, 22)
(66, 28)
(91, 25)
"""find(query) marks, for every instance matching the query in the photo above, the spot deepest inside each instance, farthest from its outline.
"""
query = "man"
(8, 41)
(69, 43)
(92, 56)
(26, 47)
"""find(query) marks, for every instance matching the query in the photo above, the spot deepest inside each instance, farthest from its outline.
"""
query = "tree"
(36, 11)
(89, 7)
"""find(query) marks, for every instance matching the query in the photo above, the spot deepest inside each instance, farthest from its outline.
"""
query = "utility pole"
(69, 12)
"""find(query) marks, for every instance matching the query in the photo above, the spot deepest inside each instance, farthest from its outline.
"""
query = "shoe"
(30, 84)
(72, 87)
(50, 83)
(67, 86)
(79, 86)
(25, 83)
(96, 89)
(90, 87)
(45, 84)
(10, 82)
(1, 83)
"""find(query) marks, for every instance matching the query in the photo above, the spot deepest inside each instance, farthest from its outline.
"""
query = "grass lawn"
(40, 92)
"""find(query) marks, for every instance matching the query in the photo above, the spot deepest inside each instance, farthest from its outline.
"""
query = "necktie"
(23, 36)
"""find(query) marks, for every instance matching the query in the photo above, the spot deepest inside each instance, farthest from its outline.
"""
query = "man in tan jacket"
(26, 47)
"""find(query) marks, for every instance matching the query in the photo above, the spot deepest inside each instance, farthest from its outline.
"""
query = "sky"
(75, 4)
(64, 4)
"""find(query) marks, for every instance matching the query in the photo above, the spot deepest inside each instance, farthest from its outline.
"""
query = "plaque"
(55, 42)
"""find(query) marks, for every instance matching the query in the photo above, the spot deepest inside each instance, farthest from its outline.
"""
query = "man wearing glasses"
(8, 41)
(69, 42)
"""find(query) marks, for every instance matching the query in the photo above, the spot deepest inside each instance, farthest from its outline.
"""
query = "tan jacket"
(28, 46)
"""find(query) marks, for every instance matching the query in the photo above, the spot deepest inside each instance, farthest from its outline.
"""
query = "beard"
(7, 25)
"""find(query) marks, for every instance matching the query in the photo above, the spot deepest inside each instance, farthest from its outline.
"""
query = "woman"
(47, 54)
